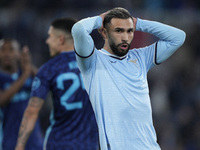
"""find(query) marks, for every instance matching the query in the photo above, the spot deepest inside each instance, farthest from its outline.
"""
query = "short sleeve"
(40, 85)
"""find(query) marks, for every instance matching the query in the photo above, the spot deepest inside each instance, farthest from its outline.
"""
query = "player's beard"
(116, 48)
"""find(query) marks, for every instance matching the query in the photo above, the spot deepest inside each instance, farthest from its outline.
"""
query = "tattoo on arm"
(35, 102)
(23, 134)
(29, 119)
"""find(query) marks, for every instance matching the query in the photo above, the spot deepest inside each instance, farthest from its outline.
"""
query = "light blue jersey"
(118, 87)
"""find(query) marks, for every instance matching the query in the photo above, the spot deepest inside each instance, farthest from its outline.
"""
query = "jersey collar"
(111, 55)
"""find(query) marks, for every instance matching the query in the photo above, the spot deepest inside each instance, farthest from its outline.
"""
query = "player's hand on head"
(26, 61)
(101, 29)
(134, 22)
(103, 15)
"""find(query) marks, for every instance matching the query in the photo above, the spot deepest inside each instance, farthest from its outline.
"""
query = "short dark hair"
(117, 12)
(64, 24)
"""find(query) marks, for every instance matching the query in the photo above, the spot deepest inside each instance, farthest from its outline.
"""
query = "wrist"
(19, 147)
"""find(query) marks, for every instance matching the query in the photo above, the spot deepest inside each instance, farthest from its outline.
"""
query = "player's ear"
(104, 33)
(61, 39)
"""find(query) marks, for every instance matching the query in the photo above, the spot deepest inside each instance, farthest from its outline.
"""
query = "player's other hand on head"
(134, 22)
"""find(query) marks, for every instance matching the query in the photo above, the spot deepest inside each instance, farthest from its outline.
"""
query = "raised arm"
(28, 122)
(170, 38)
(6, 95)
(83, 42)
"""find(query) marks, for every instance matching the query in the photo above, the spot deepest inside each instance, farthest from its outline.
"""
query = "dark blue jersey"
(72, 121)
(11, 115)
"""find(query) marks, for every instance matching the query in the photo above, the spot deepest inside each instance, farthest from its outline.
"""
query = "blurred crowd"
(174, 85)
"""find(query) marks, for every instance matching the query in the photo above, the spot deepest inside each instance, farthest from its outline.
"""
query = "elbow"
(77, 29)
(181, 37)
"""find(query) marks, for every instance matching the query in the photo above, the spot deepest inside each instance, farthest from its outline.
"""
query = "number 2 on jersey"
(76, 83)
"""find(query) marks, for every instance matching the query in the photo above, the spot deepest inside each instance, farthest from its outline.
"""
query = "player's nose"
(124, 36)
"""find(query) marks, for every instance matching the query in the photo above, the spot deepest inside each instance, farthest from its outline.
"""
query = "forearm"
(84, 44)
(26, 128)
(162, 31)
(28, 122)
(6, 95)
(170, 38)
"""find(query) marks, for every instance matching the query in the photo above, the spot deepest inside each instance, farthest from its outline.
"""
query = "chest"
(129, 71)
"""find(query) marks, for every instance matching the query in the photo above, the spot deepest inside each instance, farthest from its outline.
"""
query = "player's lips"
(124, 46)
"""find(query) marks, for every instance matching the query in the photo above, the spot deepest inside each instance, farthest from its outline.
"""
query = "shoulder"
(142, 50)
(58, 63)
(46, 68)
(51, 63)
(135, 51)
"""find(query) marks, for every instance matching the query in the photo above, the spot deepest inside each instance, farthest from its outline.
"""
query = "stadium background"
(174, 85)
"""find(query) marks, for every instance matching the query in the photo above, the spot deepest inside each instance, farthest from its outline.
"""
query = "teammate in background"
(72, 121)
(115, 77)
(16, 76)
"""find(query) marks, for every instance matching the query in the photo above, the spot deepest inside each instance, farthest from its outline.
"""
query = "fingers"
(101, 29)
(103, 16)
(26, 60)
(134, 22)
(25, 49)
(25, 55)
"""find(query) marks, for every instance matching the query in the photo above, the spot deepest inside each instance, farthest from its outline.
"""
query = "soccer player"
(16, 76)
(115, 77)
(72, 121)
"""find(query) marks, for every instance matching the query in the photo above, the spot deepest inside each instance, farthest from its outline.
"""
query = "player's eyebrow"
(123, 29)
(131, 29)
(119, 29)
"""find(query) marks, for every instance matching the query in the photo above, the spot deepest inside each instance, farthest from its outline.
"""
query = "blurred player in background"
(16, 76)
(72, 121)
(115, 77)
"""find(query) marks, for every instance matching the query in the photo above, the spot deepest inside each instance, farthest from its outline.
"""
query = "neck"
(107, 48)
(67, 48)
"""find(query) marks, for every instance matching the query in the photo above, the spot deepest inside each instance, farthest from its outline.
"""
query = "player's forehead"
(121, 23)
(9, 44)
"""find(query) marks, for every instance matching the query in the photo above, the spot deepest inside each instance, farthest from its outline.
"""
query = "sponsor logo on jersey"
(133, 61)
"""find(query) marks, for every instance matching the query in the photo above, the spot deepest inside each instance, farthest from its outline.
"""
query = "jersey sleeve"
(83, 42)
(40, 85)
(170, 38)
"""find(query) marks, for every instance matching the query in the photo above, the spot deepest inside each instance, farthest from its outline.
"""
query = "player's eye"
(119, 30)
(130, 30)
